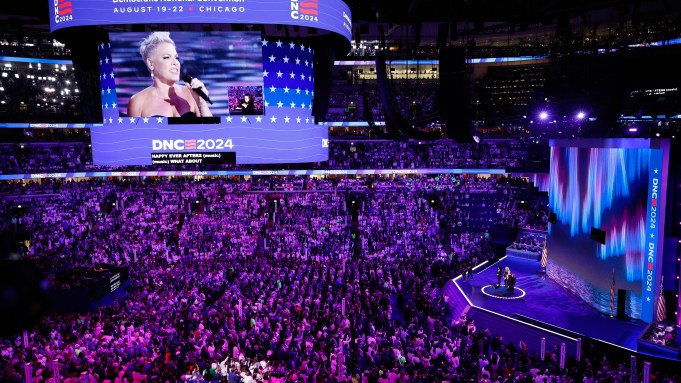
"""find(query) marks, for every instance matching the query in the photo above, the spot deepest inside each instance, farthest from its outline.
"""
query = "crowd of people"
(34, 157)
(339, 282)
(38, 93)
(347, 102)
(381, 154)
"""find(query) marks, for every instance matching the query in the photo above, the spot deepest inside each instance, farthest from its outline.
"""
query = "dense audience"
(38, 93)
(32, 157)
(349, 102)
(293, 285)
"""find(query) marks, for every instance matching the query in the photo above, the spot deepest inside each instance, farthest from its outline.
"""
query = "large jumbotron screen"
(277, 75)
(618, 186)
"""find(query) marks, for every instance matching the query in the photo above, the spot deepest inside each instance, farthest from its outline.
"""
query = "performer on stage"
(507, 273)
(499, 275)
(511, 284)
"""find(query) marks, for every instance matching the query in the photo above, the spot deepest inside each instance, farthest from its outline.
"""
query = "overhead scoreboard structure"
(233, 53)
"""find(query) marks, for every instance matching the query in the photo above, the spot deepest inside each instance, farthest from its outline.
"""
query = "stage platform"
(543, 303)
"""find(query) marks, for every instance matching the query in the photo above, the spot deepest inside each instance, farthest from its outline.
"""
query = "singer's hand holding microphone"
(199, 91)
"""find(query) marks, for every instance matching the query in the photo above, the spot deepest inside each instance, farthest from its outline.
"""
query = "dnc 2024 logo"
(306, 10)
(63, 10)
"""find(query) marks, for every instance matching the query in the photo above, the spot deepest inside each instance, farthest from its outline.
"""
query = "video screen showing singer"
(165, 97)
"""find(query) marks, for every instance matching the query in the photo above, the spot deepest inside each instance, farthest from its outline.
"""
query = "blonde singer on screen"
(164, 97)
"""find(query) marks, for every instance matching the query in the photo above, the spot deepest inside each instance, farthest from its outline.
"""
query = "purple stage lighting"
(543, 115)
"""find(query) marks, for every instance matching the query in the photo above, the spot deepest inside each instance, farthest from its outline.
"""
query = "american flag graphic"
(65, 8)
(661, 304)
(309, 7)
(544, 255)
(190, 144)
(612, 293)
(288, 70)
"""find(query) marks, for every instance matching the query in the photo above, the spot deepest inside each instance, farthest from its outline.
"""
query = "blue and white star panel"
(285, 133)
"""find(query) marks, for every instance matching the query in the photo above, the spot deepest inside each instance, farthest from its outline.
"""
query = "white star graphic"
(309, 49)
(648, 299)
(656, 170)
(258, 119)
(286, 59)
(265, 73)
(108, 90)
(103, 77)
(114, 105)
(298, 119)
(102, 45)
(106, 60)
(106, 105)
(309, 106)
(302, 105)
(291, 45)
(272, 89)
(159, 120)
(312, 92)
(652, 235)
(306, 63)
(266, 104)
(293, 75)
(100, 62)
(279, 74)
(302, 76)
(307, 120)
(103, 90)
(132, 119)
(112, 75)
(273, 119)
(293, 105)
(297, 61)
(307, 91)
(298, 90)
(264, 42)
(302, 47)
(286, 89)
(272, 58)
(244, 119)
(146, 120)
(280, 104)
(279, 43)
(228, 118)
(110, 120)
(120, 120)
(287, 119)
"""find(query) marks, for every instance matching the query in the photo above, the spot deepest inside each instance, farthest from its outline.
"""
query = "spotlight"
(543, 116)
(581, 115)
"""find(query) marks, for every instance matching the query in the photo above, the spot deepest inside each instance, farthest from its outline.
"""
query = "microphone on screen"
(188, 79)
